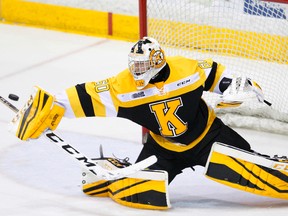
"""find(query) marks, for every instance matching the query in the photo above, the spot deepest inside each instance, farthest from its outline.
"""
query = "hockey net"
(248, 36)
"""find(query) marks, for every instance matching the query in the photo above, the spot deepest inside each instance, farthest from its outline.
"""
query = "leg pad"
(247, 171)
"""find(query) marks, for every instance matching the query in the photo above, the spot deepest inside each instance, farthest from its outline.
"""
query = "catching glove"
(240, 90)
(38, 114)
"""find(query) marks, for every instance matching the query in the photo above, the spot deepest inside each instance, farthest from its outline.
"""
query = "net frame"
(174, 19)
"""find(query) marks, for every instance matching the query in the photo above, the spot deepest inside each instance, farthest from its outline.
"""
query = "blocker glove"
(38, 114)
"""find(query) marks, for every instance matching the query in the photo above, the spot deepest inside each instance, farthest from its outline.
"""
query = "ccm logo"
(280, 166)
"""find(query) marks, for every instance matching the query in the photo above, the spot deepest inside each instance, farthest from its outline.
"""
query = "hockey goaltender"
(164, 95)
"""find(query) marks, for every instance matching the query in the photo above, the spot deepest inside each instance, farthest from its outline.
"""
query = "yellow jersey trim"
(75, 102)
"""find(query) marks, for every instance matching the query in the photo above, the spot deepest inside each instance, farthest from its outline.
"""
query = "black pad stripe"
(223, 172)
(130, 186)
(45, 98)
(276, 173)
(26, 114)
(268, 170)
(150, 197)
(99, 192)
(97, 187)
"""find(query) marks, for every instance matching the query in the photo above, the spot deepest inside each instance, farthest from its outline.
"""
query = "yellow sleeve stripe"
(75, 102)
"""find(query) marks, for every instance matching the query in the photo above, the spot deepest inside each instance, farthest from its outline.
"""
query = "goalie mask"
(145, 60)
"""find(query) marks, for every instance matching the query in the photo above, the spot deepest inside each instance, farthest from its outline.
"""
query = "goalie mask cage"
(250, 37)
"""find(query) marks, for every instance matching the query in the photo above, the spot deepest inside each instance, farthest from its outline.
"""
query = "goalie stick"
(86, 162)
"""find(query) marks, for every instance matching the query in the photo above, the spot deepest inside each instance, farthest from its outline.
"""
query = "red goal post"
(248, 36)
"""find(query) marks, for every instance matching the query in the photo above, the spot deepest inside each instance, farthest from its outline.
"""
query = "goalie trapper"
(146, 189)
(240, 90)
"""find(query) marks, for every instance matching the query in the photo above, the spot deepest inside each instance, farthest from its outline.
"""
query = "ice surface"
(39, 179)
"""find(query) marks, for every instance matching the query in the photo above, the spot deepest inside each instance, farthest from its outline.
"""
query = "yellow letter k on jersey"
(170, 125)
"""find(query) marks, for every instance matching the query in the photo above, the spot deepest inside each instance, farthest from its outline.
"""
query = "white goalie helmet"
(145, 60)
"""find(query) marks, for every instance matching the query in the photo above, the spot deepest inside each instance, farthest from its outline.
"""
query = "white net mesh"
(248, 36)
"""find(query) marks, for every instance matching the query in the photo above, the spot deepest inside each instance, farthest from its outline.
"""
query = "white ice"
(38, 179)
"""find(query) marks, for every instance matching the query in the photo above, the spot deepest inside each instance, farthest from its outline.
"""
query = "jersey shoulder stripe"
(120, 91)
(185, 75)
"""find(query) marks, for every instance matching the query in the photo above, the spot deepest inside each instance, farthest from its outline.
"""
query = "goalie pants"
(175, 162)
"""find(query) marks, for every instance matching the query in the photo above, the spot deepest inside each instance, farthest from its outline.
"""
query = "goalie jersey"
(170, 109)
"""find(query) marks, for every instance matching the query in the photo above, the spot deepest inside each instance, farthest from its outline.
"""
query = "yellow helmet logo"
(157, 58)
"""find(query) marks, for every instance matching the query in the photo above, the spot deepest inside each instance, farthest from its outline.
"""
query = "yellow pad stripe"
(248, 176)
(132, 192)
(99, 188)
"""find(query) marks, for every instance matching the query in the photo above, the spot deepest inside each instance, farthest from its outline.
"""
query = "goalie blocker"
(248, 171)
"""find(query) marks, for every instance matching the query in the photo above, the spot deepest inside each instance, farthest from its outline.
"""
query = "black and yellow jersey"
(172, 110)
